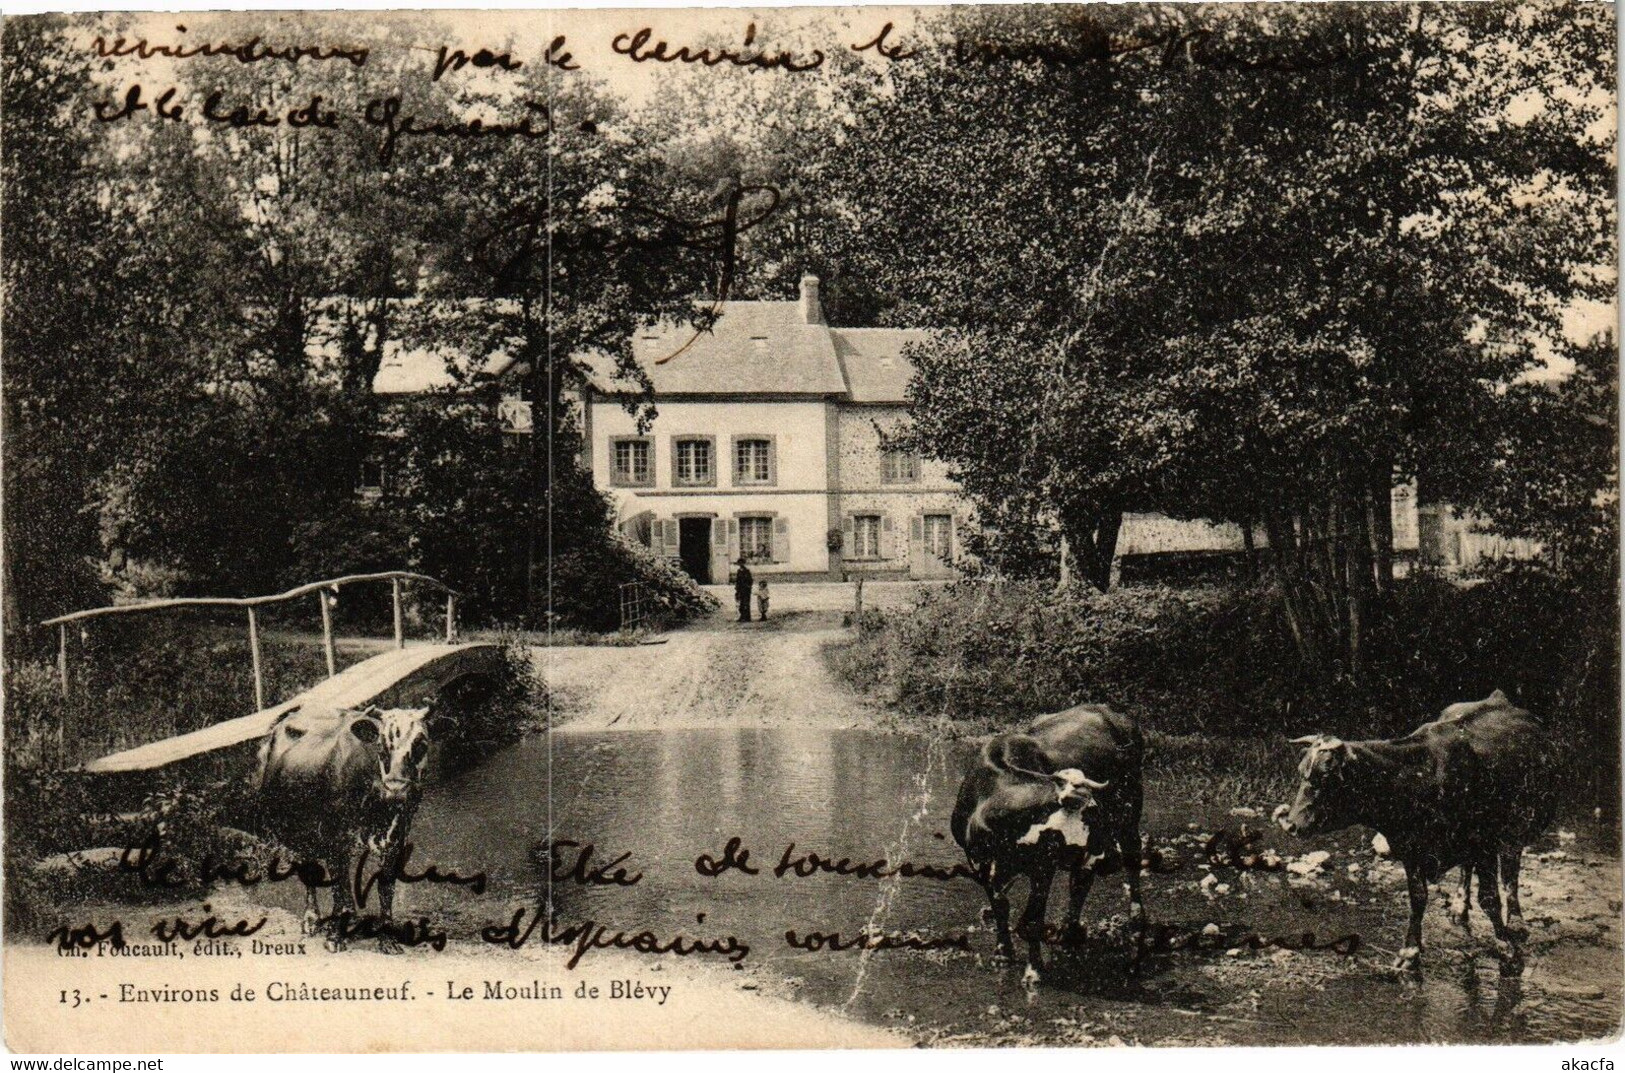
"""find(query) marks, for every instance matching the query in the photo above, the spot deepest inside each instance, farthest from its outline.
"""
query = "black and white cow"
(1066, 793)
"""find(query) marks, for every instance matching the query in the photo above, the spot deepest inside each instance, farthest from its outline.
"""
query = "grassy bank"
(1211, 672)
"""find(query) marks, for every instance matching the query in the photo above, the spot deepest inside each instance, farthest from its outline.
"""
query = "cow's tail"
(1018, 754)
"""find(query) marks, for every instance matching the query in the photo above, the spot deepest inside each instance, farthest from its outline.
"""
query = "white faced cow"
(1469, 790)
(1067, 793)
(333, 782)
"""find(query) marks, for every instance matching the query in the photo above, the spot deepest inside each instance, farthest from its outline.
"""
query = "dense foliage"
(1206, 660)
(195, 315)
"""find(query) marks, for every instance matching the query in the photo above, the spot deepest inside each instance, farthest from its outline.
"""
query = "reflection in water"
(668, 797)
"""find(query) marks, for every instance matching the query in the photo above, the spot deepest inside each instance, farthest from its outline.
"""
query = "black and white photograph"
(1086, 525)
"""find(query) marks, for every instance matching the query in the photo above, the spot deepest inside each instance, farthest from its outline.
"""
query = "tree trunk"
(1094, 540)
(1106, 533)
(1287, 558)
(1380, 523)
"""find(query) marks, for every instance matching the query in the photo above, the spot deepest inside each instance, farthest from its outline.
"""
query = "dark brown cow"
(1469, 790)
(333, 782)
(1067, 793)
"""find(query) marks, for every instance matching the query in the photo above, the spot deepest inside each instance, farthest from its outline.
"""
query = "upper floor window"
(630, 461)
(899, 467)
(695, 464)
(753, 461)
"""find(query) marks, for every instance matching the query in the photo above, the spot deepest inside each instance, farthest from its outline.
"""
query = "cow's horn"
(1307, 739)
(1093, 785)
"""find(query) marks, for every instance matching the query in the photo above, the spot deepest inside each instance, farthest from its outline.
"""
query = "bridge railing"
(326, 592)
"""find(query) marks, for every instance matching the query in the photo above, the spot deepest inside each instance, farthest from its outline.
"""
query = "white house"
(767, 443)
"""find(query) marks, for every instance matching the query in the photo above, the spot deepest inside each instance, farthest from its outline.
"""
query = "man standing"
(742, 587)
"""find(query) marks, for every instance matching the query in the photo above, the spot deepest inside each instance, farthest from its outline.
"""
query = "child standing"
(761, 598)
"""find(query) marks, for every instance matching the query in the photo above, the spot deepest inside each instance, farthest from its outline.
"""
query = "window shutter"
(781, 540)
(916, 545)
(773, 460)
(719, 533)
(885, 536)
(733, 540)
(846, 535)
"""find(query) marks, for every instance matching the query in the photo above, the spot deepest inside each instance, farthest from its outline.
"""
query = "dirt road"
(721, 672)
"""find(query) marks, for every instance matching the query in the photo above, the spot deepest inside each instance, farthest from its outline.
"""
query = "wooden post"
(857, 602)
(327, 634)
(62, 656)
(400, 633)
(254, 654)
(451, 617)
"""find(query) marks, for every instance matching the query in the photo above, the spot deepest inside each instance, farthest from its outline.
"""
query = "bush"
(1217, 659)
(586, 586)
(488, 713)
(1184, 660)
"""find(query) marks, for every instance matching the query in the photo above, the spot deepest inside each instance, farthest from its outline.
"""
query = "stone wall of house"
(901, 506)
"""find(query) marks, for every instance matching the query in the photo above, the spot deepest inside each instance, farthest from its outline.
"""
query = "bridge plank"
(363, 683)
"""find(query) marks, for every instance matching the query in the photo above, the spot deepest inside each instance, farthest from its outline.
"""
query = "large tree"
(1255, 277)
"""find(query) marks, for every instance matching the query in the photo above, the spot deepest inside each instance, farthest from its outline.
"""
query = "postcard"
(862, 527)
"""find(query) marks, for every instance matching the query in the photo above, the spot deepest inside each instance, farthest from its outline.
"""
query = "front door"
(694, 547)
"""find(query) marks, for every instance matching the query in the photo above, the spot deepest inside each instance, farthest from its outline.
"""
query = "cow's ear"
(365, 729)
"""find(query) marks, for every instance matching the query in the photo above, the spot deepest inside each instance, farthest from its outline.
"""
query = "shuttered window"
(756, 539)
(899, 467)
(866, 536)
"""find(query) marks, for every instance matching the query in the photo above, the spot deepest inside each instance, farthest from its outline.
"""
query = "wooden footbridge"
(405, 676)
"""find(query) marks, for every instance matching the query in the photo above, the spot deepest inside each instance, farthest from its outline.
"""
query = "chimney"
(811, 311)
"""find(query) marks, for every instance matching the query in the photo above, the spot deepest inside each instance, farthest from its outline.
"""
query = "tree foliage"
(1255, 278)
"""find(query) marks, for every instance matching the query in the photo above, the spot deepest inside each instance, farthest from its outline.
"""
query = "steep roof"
(754, 348)
(876, 370)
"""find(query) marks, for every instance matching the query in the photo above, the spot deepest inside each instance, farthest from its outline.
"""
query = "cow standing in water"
(334, 782)
(1067, 793)
(1469, 790)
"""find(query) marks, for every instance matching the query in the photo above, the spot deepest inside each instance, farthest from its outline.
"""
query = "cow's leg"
(1416, 885)
(313, 912)
(1458, 904)
(1511, 861)
(999, 908)
(1080, 878)
(1489, 894)
(343, 896)
(1489, 900)
(1032, 920)
(389, 866)
(1129, 844)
